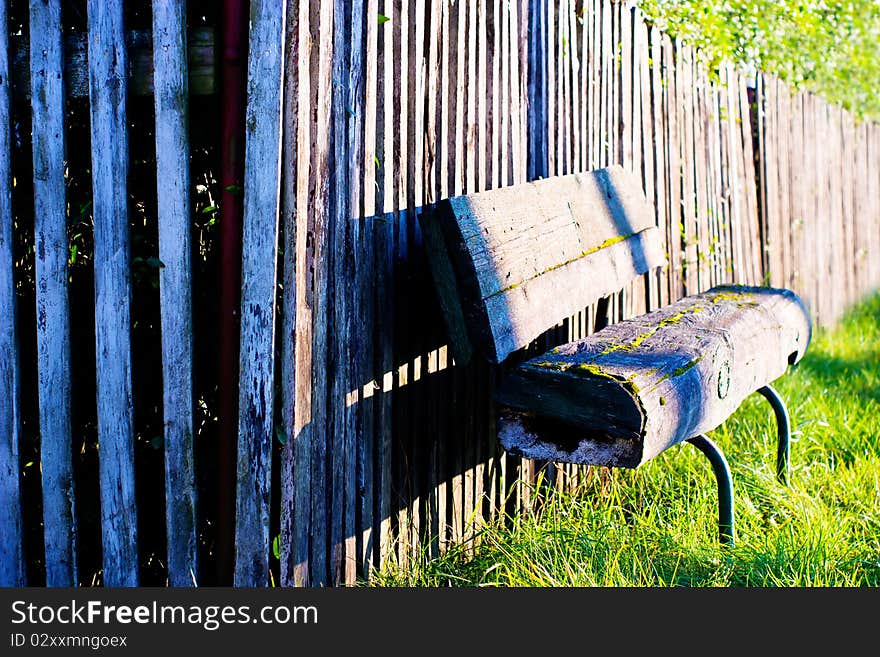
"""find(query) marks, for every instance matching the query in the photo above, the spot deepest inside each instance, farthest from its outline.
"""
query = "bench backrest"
(511, 263)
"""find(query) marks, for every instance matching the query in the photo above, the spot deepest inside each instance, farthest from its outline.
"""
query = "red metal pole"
(233, 100)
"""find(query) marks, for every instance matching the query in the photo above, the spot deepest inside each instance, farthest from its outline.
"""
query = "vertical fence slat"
(702, 216)
(537, 152)
(577, 92)
(53, 312)
(436, 490)
(384, 241)
(686, 88)
(608, 154)
(170, 85)
(455, 90)
(718, 254)
(298, 321)
(339, 251)
(732, 174)
(355, 435)
(848, 209)
(870, 202)
(295, 335)
(551, 84)
(673, 168)
(658, 117)
(260, 244)
(761, 103)
(416, 198)
(625, 102)
(750, 191)
(773, 237)
(582, 30)
(483, 98)
(471, 391)
(595, 81)
(784, 176)
(107, 92)
(402, 153)
(616, 88)
(644, 142)
(494, 90)
(11, 550)
(318, 210)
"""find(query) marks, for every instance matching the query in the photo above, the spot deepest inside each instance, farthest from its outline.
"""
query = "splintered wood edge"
(525, 434)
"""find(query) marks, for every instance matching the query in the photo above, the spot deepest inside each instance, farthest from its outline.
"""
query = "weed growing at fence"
(656, 526)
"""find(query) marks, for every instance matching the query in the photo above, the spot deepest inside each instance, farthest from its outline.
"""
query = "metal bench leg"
(726, 530)
(783, 432)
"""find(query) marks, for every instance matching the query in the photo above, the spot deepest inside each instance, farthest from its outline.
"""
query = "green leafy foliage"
(828, 46)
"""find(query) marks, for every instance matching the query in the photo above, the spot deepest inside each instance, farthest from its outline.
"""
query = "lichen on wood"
(510, 261)
(648, 383)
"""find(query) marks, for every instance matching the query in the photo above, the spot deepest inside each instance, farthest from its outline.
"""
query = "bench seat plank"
(623, 395)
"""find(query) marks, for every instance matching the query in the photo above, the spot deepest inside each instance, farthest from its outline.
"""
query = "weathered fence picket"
(109, 131)
(53, 312)
(12, 571)
(260, 239)
(295, 329)
(170, 81)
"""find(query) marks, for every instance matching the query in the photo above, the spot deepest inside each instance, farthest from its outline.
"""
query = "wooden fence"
(820, 198)
(359, 439)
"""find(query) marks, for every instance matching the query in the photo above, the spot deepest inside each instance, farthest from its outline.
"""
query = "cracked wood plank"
(511, 262)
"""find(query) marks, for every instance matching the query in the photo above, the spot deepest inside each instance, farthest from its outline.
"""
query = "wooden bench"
(511, 263)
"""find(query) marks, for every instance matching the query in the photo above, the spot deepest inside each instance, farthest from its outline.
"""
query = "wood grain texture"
(260, 239)
(53, 312)
(201, 69)
(354, 487)
(527, 255)
(368, 545)
(756, 275)
(797, 203)
(175, 286)
(383, 227)
(109, 131)
(294, 521)
(340, 250)
(623, 395)
(318, 281)
(296, 325)
(12, 570)
(659, 144)
(687, 161)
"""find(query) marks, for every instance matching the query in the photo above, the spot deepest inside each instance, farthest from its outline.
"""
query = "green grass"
(656, 526)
